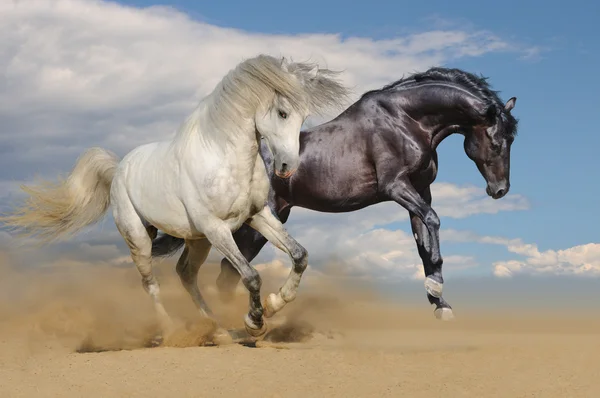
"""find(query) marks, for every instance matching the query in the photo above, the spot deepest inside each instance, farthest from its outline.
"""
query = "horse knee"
(150, 284)
(300, 258)
(437, 260)
(252, 281)
(431, 220)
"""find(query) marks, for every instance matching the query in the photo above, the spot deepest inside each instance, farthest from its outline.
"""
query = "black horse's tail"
(166, 245)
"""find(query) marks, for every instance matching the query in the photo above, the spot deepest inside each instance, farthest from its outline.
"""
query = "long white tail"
(56, 209)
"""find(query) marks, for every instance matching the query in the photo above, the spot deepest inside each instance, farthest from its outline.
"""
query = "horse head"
(488, 144)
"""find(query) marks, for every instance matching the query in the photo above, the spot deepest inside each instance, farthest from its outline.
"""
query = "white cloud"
(91, 73)
(454, 201)
(576, 260)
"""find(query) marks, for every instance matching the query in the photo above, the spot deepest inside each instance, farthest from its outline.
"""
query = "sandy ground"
(81, 333)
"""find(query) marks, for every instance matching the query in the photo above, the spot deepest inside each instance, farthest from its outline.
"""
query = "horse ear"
(510, 104)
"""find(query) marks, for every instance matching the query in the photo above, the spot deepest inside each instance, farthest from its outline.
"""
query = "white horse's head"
(300, 89)
(279, 124)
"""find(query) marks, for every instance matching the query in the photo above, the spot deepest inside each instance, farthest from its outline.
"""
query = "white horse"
(200, 186)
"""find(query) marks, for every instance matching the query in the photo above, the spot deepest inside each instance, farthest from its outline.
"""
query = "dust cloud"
(74, 330)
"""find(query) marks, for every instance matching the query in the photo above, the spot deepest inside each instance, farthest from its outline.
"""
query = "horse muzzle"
(285, 172)
(498, 190)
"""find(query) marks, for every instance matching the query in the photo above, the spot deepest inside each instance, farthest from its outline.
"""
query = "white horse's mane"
(255, 82)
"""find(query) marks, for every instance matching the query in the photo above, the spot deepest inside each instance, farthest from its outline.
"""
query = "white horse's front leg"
(272, 229)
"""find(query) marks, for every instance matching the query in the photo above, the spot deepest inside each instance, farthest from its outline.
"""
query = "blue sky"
(549, 66)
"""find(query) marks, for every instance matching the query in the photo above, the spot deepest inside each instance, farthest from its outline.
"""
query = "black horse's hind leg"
(425, 226)
(250, 242)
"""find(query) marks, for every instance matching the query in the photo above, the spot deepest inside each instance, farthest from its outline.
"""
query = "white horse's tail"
(54, 210)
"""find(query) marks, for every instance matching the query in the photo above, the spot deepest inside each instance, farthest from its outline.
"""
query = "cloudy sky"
(78, 73)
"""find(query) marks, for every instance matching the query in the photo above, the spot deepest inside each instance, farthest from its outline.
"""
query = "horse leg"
(250, 242)
(221, 238)
(434, 281)
(271, 228)
(426, 227)
(138, 239)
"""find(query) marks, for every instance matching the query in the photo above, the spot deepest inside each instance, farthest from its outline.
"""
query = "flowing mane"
(254, 83)
(475, 85)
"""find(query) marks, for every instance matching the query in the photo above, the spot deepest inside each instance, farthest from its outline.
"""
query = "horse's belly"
(177, 222)
(335, 205)
(168, 217)
(335, 193)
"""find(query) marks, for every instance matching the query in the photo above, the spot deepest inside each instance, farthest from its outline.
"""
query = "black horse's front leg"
(426, 227)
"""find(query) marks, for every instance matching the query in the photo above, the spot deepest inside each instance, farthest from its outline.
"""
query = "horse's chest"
(241, 200)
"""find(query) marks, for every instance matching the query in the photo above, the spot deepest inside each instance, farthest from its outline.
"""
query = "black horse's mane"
(476, 85)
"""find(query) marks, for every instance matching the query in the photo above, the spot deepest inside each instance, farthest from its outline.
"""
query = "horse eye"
(283, 115)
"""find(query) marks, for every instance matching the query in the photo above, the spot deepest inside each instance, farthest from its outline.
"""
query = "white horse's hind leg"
(272, 229)
(137, 237)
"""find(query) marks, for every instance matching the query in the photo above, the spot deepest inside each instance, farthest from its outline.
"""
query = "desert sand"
(83, 332)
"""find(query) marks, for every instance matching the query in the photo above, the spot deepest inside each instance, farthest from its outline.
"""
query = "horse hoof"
(434, 287)
(252, 329)
(257, 332)
(444, 313)
(273, 303)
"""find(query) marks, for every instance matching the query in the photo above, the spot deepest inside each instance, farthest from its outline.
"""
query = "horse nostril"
(500, 192)
(284, 167)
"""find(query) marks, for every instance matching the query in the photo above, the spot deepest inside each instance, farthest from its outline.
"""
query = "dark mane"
(476, 85)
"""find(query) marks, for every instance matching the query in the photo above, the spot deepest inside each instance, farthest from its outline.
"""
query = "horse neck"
(203, 132)
(428, 105)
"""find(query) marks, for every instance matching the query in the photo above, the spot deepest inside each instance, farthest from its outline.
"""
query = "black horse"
(383, 148)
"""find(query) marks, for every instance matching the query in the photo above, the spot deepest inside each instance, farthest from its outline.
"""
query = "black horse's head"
(488, 145)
